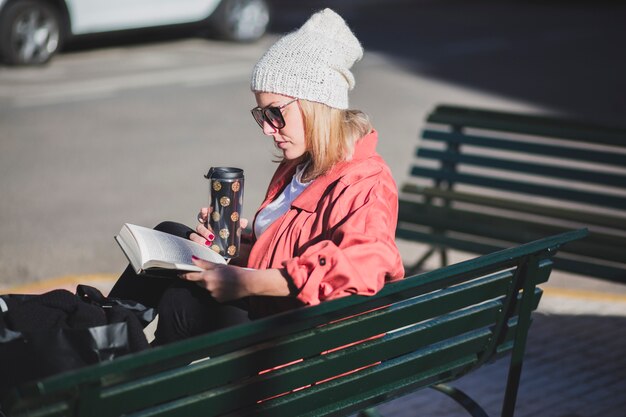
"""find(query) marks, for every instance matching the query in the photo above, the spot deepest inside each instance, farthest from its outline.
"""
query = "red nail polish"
(211, 237)
(208, 242)
(194, 257)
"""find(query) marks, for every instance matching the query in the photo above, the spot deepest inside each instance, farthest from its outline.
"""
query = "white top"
(281, 204)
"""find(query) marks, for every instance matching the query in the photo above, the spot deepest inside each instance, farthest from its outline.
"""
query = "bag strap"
(91, 294)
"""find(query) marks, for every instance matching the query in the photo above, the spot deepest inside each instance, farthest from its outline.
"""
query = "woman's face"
(290, 139)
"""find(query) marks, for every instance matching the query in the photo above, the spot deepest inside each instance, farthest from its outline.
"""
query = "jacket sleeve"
(359, 253)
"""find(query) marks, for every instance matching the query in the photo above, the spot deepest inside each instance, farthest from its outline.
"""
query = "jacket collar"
(310, 197)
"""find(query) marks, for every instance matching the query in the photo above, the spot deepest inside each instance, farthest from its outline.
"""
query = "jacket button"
(322, 261)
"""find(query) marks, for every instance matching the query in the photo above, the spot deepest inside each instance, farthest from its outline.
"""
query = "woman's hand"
(204, 235)
(224, 282)
(227, 282)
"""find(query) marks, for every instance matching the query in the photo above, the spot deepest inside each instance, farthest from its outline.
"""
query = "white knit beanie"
(312, 63)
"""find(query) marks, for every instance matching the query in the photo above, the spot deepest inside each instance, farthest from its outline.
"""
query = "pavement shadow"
(564, 56)
(574, 367)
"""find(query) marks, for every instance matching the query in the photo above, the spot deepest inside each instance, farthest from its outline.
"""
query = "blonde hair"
(330, 135)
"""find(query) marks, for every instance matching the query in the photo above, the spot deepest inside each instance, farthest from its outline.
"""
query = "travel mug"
(226, 202)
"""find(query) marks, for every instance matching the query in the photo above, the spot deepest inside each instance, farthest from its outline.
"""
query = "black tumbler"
(226, 202)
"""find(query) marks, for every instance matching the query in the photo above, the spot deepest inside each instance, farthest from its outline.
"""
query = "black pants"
(185, 309)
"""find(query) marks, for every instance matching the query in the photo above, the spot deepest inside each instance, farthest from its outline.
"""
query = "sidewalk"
(574, 366)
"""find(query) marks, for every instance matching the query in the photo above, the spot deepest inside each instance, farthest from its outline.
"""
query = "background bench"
(485, 180)
(421, 332)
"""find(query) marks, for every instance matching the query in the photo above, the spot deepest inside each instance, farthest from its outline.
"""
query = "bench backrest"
(416, 332)
(485, 180)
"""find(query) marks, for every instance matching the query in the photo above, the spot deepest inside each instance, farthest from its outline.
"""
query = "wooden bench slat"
(322, 367)
(349, 394)
(473, 244)
(504, 164)
(554, 127)
(199, 405)
(589, 197)
(508, 229)
(584, 155)
(524, 207)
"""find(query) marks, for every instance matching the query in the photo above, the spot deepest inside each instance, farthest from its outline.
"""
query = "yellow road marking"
(60, 282)
(584, 294)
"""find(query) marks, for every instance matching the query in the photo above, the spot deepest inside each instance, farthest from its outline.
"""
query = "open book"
(157, 253)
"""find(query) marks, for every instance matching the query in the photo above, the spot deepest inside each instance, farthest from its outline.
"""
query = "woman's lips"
(281, 145)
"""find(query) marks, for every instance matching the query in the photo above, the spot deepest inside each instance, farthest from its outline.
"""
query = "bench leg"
(462, 398)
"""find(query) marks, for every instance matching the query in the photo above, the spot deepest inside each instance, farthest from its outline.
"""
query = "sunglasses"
(270, 114)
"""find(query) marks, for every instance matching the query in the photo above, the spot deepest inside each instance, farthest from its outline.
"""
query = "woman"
(326, 227)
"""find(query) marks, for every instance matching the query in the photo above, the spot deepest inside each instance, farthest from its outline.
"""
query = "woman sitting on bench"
(326, 227)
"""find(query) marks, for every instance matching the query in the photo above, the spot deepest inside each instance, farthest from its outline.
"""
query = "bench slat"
(351, 393)
(528, 124)
(584, 175)
(585, 155)
(323, 367)
(588, 197)
(508, 229)
(473, 244)
(220, 402)
(524, 207)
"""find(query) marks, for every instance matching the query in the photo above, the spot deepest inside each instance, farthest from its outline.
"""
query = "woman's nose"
(268, 129)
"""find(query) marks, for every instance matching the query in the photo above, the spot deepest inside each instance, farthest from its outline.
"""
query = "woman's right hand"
(203, 235)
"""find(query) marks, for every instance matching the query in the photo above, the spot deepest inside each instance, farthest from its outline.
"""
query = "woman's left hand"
(227, 282)
(224, 282)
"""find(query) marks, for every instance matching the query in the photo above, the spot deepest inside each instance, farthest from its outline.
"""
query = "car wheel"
(241, 20)
(30, 33)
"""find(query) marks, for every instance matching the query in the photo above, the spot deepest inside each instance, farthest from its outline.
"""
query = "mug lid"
(226, 173)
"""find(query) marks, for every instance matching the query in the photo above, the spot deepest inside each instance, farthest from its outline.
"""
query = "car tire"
(241, 20)
(30, 33)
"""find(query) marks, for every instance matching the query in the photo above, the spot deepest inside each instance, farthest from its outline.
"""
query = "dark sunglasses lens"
(274, 117)
(258, 116)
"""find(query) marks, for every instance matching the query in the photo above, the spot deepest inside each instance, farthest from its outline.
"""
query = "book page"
(160, 246)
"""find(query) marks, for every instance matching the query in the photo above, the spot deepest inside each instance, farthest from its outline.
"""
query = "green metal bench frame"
(486, 180)
(423, 331)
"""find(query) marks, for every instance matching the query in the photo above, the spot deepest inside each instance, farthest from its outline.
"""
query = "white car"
(32, 31)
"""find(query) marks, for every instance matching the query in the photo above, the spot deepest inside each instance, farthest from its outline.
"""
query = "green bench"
(423, 331)
(485, 180)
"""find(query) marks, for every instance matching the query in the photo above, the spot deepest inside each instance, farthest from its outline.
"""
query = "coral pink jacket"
(338, 236)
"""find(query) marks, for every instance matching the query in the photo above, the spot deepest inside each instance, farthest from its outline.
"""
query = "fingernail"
(208, 242)
(211, 237)
(194, 257)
